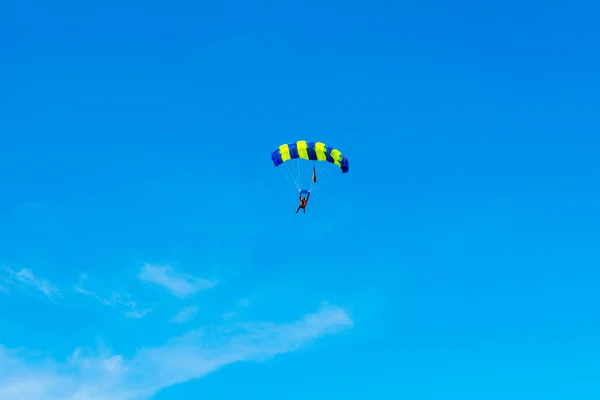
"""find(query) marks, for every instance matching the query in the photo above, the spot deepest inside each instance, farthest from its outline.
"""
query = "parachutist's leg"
(304, 209)
(297, 209)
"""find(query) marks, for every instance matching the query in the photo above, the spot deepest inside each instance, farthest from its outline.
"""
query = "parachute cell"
(314, 151)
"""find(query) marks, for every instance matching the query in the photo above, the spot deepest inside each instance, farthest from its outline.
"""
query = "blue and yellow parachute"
(315, 151)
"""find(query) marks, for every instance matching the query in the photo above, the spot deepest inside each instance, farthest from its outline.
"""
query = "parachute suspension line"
(317, 169)
(299, 168)
(321, 168)
(321, 171)
(295, 184)
(320, 184)
(291, 175)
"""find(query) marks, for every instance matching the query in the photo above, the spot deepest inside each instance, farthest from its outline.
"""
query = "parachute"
(315, 151)
(295, 155)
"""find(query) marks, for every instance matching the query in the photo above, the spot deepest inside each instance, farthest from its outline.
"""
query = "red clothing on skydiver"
(303, 203)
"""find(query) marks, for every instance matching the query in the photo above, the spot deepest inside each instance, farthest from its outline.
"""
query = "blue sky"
(149, 248)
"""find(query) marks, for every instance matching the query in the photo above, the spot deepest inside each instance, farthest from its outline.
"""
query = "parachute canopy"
(315, 151)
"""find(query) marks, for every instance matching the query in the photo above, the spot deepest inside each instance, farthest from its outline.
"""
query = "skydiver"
(303, 201)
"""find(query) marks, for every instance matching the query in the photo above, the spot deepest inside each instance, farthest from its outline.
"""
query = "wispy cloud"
(112, 299)
(26, 280)
(243, 303)
(107, 301)
(136, 313)
(185, 315)
(191, 356)
(229, 315)
(179, 284)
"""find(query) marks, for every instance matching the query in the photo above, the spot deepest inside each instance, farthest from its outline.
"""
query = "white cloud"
(179, 284)
(243, 303)
(185, 315)
(138, 313)
(191, 356)
(229, 315)
(25, 279)
(113, 299)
